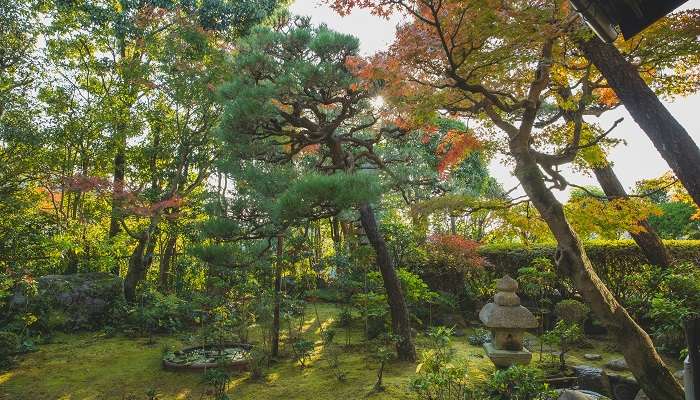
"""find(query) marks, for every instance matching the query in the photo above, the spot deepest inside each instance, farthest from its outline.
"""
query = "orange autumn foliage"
(453, 149)
(607, 97)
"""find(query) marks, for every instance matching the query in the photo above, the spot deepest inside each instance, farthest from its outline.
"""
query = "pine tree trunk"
(666, 133)
(275, 345)
(400, 321)
(647, 239)
(571, 259)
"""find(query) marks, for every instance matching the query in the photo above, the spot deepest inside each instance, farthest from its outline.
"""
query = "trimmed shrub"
(613, 260)
(9, 342)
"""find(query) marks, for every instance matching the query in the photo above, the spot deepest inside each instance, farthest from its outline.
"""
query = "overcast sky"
(634, 161)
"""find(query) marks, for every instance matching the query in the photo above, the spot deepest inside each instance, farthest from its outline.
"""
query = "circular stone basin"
(233, 356)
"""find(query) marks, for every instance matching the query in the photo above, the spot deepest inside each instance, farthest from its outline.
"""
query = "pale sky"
(636, 160)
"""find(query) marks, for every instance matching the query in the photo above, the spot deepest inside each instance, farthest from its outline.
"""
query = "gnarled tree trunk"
(666, 133)
(571, 259)
(400, 322)
(647, 239)
(139, 261)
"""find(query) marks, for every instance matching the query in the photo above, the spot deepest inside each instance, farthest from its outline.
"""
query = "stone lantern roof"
(506, 312)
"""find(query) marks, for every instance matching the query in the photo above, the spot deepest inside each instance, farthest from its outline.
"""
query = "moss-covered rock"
(78, 301)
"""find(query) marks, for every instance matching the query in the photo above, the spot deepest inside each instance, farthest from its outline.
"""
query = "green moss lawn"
(93, 366)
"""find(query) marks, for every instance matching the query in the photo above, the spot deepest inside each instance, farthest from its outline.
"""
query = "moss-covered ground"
(93, 366)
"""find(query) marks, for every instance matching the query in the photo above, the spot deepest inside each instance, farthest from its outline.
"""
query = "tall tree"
(669, 137)
(296, 92)
(147, 71)
(494, 60)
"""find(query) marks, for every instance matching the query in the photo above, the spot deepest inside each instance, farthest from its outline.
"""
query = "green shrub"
(479, 337)
(259, 360)
(667, 316)
(439, 375)
(519, 383)
(9, 343)
(571, 310)
(538, 281)
(565, 335)
(344, 317)
(159, 313)
(217, 379)
(302, 350)
(670, 296)
(613, 260)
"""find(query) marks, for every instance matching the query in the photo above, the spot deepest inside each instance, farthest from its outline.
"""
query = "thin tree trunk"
(278, 286)
(335, 234)
(666, 133)
(400, 322)
(117, 190)
(571, 259)
(346, 229)
(647, 239)
(166, 261)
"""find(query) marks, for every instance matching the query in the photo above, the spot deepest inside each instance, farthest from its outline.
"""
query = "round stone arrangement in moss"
(232, 356)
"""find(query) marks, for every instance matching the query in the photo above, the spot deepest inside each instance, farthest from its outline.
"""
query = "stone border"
(241, 365)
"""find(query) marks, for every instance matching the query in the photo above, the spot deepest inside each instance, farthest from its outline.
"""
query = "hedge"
(613, 260)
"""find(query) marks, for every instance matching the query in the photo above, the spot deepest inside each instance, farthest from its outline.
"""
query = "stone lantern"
(507, 320)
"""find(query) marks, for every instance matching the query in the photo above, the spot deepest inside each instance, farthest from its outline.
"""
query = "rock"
(86, 299)
(594, 379)
(574, 395)
(592, 357)
(455, 320)
(641, 396)
(623, 388)
(459, 333)
(617, 365)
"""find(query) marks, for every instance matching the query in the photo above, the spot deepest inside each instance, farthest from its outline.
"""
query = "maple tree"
(670, 45)
(495, 61)
(661, 55)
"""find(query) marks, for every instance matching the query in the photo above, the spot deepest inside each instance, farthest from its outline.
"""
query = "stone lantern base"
(506, 358)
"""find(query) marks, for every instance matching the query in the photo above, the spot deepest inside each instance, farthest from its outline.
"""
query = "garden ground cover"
(90, 366)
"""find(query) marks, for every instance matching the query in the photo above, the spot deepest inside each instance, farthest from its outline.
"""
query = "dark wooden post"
(692, 334)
